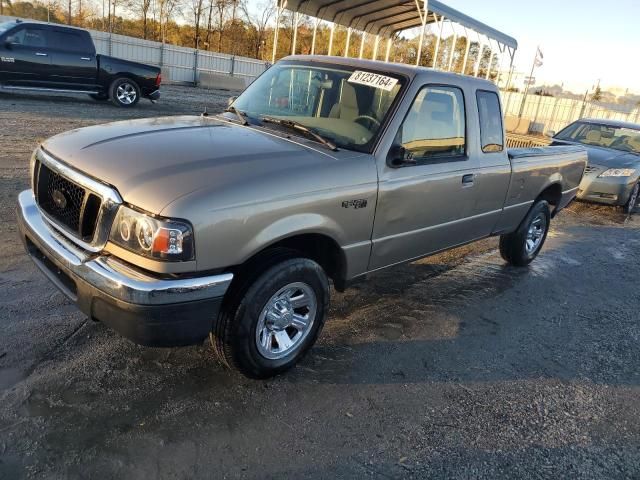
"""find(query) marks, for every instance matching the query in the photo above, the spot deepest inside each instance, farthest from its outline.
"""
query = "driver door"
(424, 206)
(25, 56)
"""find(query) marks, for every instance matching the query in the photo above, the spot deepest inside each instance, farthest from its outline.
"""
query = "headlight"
(152, 237)
(618, 172)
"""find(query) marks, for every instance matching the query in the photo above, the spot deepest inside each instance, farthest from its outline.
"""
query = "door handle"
(88, 59)
(467, 180)
(40, 54)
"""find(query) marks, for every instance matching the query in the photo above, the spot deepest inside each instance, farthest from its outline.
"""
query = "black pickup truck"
(55, 58)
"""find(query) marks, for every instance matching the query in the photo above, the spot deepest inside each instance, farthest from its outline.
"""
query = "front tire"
(270, 323)
(521, 247)
(633, 199)
(124, 92)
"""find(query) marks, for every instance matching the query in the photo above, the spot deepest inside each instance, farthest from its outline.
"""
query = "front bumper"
(606, 190)
(147, 309)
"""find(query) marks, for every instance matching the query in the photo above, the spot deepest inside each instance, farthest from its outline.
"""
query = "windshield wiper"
(293, 125)
(241, 116)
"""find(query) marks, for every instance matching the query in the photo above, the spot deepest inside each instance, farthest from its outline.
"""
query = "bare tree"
(142, 8)
(259, 20)
(197, 7)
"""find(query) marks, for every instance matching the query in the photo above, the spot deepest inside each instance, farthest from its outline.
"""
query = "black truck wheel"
(522, 246)
(269, 323)
(124, 92)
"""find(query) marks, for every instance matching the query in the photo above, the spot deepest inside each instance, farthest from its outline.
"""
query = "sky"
(582, 41)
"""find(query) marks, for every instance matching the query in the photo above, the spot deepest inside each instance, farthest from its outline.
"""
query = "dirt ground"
(454, 366)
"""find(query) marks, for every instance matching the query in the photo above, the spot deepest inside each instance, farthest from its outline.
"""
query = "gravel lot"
(454, 366)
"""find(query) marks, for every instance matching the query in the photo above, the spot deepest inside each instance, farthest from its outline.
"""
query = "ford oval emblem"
(59, 198)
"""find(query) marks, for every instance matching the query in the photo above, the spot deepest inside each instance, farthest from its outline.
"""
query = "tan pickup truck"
(172, 230)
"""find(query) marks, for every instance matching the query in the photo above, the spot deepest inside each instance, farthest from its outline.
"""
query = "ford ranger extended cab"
(171, 230)
(54, 58)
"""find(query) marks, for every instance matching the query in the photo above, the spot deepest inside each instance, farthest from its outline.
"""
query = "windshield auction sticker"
(373, 80)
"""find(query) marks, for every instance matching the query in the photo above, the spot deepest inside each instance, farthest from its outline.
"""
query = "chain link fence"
(551, 113)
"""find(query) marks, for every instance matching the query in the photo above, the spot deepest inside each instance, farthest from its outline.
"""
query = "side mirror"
(399, 156)
(550, 133)
(230, 100)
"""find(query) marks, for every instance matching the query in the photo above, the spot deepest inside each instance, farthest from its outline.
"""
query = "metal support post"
(332, 29)
(346, 48)
(364, 35)
(453, 50)
(280, 7)
(423, 12)
(437, 52)
(466, 52)
(386, 55)
(375, 48)
(296, 18)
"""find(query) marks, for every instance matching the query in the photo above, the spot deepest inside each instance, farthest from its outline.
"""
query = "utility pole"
(537, 62)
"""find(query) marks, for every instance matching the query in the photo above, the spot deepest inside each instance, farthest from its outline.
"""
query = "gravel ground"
(453, 366)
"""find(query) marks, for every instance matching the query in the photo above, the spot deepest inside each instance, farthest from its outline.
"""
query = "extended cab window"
(30, 37)
(435, 125)
(491, 132)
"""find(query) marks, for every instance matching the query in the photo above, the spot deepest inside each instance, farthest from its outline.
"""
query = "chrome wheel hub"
(286, 320)
(535, 234)
(126, 93)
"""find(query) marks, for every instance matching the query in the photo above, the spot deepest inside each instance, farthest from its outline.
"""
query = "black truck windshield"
(343, 105)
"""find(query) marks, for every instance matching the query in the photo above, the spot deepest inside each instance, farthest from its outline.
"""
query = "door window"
(491, 132)
(69, 41)
(30, 37)
(435, 128)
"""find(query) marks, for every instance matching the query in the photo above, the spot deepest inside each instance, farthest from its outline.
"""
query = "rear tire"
(269, 322)
(633, 199)
(521, 247)
(124, 92)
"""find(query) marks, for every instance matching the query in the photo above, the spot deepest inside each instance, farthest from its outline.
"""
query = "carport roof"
(386, 17)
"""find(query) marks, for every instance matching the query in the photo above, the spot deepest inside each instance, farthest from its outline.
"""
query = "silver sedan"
(612, 175)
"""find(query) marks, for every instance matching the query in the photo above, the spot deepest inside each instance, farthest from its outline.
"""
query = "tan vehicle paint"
(244, 188)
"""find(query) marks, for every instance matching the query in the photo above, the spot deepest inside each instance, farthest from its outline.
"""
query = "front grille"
(69, 204)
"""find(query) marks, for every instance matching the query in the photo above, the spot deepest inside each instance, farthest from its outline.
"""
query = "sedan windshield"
(600, 135)
(343, 105)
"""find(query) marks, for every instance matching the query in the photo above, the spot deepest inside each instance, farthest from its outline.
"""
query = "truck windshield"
(601, 135)
(344, 105)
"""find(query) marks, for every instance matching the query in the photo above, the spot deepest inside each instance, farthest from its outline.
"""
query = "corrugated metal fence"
(551, 113)
(179, 64)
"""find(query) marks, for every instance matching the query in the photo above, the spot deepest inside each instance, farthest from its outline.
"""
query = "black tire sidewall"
(114, 97)
(628, 208)
(540, 207)
(243, 331)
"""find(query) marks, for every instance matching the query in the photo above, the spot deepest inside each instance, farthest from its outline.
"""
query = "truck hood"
(152, 162)
(607, 157)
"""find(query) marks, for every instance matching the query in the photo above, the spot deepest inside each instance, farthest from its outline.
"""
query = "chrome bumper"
(104, 273)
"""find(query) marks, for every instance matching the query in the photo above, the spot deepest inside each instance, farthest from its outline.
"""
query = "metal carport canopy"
(386, 17)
